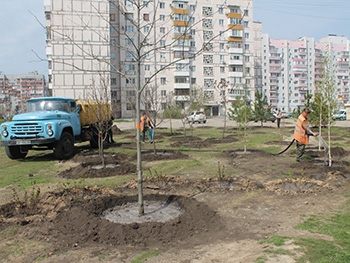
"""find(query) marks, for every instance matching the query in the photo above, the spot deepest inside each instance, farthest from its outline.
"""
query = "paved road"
(218, 122)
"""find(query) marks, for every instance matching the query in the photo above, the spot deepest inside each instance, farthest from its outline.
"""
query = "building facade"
(77, 37)
(291, 69)
(169, 49)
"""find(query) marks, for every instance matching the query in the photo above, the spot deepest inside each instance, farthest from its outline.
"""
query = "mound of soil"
(73, 217)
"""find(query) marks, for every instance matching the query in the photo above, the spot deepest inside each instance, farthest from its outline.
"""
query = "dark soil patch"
(162, 155)
(89, 166)
(72, 218)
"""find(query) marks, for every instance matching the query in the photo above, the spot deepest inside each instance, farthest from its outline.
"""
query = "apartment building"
(16, 89)
(177, 47)
(77, 37)
(291, 69)
(194, 46)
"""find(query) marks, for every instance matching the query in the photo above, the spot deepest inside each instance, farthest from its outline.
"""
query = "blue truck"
(55, 123)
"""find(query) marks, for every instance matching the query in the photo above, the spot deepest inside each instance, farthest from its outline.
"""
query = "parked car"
(340, 115)
(197, 116)
(272, 117)
(285, 114)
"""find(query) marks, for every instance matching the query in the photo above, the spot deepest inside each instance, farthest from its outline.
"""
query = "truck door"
(75, 118)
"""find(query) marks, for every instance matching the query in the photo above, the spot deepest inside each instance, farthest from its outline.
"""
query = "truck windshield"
(47, 105)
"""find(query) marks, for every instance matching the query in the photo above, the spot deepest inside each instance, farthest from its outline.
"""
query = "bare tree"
(325, 102)
(138, 42)
(98, 100)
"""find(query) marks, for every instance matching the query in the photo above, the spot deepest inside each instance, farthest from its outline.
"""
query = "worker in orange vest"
(302, 132)
(145, 126)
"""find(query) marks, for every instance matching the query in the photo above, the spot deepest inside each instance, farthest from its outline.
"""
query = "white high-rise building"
(77, 46)
(181, 47)
(291, 69)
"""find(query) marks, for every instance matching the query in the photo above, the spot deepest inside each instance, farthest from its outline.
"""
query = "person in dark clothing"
(278, 117)
(110, 131)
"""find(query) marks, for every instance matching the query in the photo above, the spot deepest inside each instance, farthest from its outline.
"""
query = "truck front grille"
(26, 129)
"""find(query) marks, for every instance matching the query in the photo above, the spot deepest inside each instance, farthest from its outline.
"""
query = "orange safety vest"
(142, 126)
(300, 134)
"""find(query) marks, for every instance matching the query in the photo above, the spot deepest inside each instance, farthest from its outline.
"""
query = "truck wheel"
(15, 152)
(64, 148)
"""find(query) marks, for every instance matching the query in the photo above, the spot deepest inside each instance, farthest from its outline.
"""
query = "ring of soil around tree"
(74, 217)
(84, 165)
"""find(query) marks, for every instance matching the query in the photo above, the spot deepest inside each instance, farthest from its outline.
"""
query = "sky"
(22, 41)
(291, 19)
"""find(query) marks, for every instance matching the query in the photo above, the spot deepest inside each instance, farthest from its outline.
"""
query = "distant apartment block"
(15, 89)
(290, 68)
(205, 46)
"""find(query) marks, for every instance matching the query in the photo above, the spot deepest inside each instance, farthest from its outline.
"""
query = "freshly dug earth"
(220, 220)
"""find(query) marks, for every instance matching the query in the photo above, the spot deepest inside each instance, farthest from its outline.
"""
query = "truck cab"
(49, 123)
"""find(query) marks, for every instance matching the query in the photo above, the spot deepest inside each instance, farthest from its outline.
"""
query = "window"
(163, 93)
(129, 41)
(113, 42)
(128, 28)
(192, 20)
(192, 8)
(161, 17)
(182, 79)
(162, 30)
(145, 3)
(221, 22)
(47, 15)
(129, 67)
(113, 81)
(129, 54)
(128, 106)
(112, 29)
(246, 35)
(222, 69)
(161, 5)
(222, 45)
(163, 81)
(246, 46)
(221, 10)
(146, 29)
(235, 21)
(193, 80)
(130, 80)
(246, 12)
(128, 3)
(147, 67)
(162, 55)
(162, 43)
(111, 17)
(246, 24)
(129, 16)
(222, 58)
(146, 17)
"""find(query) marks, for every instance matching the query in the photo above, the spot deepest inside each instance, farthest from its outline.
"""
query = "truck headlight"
(5, 133)
(49, 130)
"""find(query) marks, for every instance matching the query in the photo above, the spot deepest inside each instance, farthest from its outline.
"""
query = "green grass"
(320, 250)
(147, 255)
